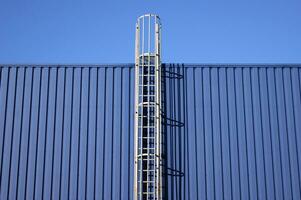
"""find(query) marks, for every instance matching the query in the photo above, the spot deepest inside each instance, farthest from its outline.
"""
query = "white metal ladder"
(148, 127)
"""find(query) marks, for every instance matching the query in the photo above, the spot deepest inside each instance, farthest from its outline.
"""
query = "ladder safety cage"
(148, 174)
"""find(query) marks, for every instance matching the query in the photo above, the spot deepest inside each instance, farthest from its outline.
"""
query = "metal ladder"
(148, 125)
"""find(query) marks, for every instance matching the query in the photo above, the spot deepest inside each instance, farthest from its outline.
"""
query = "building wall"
(66, 132)
(232, 131)
(241, 137)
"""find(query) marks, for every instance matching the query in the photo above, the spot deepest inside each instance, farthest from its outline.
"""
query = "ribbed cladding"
(66, 132)
(241, 135)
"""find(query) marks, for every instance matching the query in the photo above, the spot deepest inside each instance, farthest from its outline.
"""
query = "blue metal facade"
(232, 131)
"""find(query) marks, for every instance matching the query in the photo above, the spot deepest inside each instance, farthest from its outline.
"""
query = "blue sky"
(203, 31)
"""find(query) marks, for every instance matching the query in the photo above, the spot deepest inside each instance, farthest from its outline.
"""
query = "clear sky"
(103, 31)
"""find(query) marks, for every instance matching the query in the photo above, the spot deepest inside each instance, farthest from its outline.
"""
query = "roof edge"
(186, 65)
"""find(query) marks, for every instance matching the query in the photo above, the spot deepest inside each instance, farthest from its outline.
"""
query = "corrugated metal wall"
(242, 132)
(233, 132)
(66, 132)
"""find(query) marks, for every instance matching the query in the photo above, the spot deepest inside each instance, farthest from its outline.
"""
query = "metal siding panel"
(292, 139)
(178, 165)
(182, 136)
(58, 139)
(208, 134)
(217, 144)
(33, 133)
(3, 110)
(83, 134)
(249, 120)
(167, 112)
(225, 134)
(275, 133)
(17, 126)
(284, 146)
(174, 141)
(266, 134)
(76, 109)
(233, 128)
(25, 134)
(297, 106)
(258, 135)
(186, 153)
(171, 138)
(131, 134)
(125, 139)
(91, 152)
(42, 135)
(173, 135)
(116, 134)
(50, 134)
(101, 120)
(67, 132)
(192, 166)
(242, 133)
(200, 141)
(8, 130)
(108, 138)
(177, 110)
